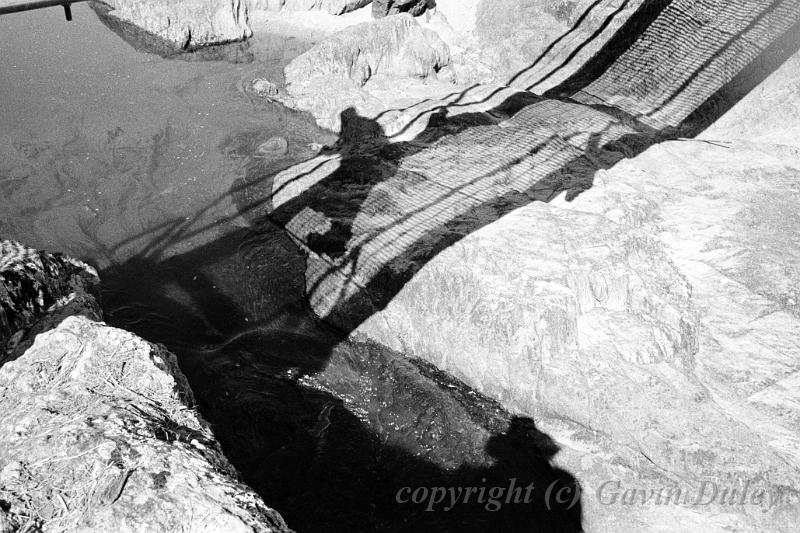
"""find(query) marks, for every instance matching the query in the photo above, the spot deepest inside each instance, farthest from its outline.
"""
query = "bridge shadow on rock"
(347, 435)
(371, 218)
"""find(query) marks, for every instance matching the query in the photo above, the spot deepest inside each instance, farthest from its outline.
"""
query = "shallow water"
(119, 142)
(126, 158)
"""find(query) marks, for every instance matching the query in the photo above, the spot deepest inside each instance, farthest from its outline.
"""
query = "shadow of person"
(359, 138)
(357, 129)
(520, 492)
(551, 496)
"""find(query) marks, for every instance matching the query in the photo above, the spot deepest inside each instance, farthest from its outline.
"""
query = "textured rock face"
(728, 213)
(398, 47)
(519, 304)
(383, 8)
(329, 78)
(99, 431)
(37, 289)
(186, 24)
(101, 437)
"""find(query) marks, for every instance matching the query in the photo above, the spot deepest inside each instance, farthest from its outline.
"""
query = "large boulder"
(186, 24)
(330, 76)
(397, 47)
(100, 435)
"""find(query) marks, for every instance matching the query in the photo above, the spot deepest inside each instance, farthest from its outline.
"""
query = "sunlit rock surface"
(329, 77)
(728, 214)
(99, 429)
(101, 436)
(186, 24)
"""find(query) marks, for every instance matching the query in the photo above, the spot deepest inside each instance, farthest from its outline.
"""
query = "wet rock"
(329, 78)
(272, 147)
(383, 8)
(186, 24)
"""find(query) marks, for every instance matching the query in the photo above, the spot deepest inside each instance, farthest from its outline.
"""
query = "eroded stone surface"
(728, 213)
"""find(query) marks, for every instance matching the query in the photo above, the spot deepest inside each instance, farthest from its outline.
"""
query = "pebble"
(264, 87)
(272, 147)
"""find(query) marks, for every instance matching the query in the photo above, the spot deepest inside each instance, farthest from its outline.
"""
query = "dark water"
(137, 163)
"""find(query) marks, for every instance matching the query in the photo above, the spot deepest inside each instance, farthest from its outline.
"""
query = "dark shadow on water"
(338, 434)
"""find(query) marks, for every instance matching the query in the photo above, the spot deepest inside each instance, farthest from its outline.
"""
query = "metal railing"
(16, 7)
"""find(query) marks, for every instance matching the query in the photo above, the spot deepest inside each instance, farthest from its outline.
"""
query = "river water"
(136, 163)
